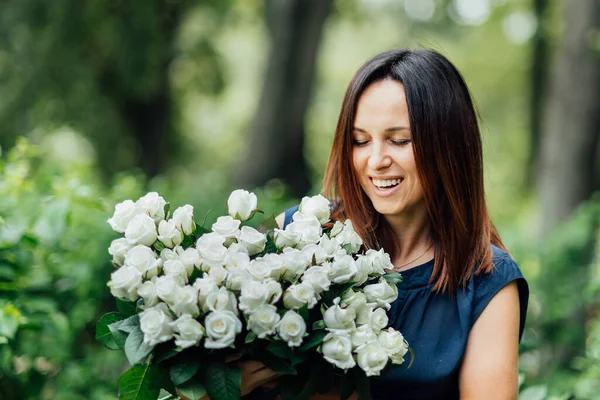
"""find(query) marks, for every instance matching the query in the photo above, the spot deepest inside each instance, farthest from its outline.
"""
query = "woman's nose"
(379, 158)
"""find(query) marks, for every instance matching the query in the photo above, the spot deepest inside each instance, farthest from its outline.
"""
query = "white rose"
(218, 274)
(205, 287)
(297, 296)
(183, 218)
(236, 278)
(124, 283)
(294, 263)
(168, 233)
(355, 300)
(176, 270)
(331, 246)
(124, 213)
(152, 205)
(227, 227)
(337, 349)
(259, 269)
(306, 228)
(337, 228)
(221, 329)
(252, 240)
(254, 294)
(393, 342)
(362, 335)
(342, 269)
(318, 206)
(372, 358)
(235, 248)
(147, 291)
(263, 321)
(171, 254)
(382, 293)
(241, 204)
(285, 238)
(188, 331)
(363, 268)
(378, 319)
(380, 261)
(213, 256)
(221, 300)
(166, 289)
(118, 248)
(349, 237)
(292, 328)
(318, 278)
(190, 258)
(237, 261)
(141, 230)
(209, 239)
(275, 290)
(315, 253)
(155, 322)
(276, 263)
(186, 301)
(144, 260)
(337, 318)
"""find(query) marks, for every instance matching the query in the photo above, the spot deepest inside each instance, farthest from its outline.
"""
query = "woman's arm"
(280, 219)
(490, 366)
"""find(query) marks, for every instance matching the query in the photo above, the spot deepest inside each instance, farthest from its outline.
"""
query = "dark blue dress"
(437, 327)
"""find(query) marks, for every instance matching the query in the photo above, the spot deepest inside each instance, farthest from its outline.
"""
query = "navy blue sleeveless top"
(437, 327)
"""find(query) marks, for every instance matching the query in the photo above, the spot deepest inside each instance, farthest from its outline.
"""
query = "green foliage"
(223, 382)
(53, 273)
(137, 383)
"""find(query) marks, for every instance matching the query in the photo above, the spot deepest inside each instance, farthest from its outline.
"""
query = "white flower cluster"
(239, 287)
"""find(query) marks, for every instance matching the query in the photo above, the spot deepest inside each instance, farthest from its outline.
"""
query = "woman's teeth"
(386, 182)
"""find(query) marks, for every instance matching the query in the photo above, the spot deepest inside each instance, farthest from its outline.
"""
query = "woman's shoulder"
(505, 270)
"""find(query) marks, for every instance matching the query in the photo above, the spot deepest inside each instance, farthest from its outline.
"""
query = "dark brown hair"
(448, 156)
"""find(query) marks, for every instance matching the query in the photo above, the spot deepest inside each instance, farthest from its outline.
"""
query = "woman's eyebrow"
(392, 129)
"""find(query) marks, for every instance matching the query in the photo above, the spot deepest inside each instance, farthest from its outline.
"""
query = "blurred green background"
(102, 100)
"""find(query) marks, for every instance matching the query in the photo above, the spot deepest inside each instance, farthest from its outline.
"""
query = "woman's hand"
(255, 374)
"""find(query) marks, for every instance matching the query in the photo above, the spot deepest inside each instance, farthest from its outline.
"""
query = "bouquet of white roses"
(303, 300)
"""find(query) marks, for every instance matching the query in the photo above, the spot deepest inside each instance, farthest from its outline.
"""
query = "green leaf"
(279, 365)
(129, 324)
(158, 246)
(136, 383)
(280, 349)
(120, 337)
(346, 387)
(315, 339)
(166, 210)
(127, 308)
(222, 382)
(250, 337)
(393, 277)
(103, 333)
(303, 312)
(362, 384)
(318, 325)
(192, 390)
(183, 372)
(267, 225)
(135, 348)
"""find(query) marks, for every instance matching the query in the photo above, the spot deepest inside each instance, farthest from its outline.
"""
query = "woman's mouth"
(386, 187)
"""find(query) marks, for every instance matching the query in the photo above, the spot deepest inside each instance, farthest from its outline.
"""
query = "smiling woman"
(406, 167)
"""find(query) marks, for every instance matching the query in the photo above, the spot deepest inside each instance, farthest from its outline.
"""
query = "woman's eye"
(359, 143)
(402, 142)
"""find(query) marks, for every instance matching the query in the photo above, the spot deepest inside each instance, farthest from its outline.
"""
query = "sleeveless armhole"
(289, 213)
(487, 285)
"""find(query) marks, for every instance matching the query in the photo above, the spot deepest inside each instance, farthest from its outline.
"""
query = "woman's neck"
(413, 233)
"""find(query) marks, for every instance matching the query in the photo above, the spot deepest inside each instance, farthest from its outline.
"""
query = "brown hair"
(448, 156)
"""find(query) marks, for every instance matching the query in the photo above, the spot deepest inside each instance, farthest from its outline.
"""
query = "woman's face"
(383, 156)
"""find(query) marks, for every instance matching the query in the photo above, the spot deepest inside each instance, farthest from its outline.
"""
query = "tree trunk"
(276, 135)
(538, 74)
(571, 131)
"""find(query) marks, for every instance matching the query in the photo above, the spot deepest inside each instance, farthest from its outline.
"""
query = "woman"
(406, 167)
